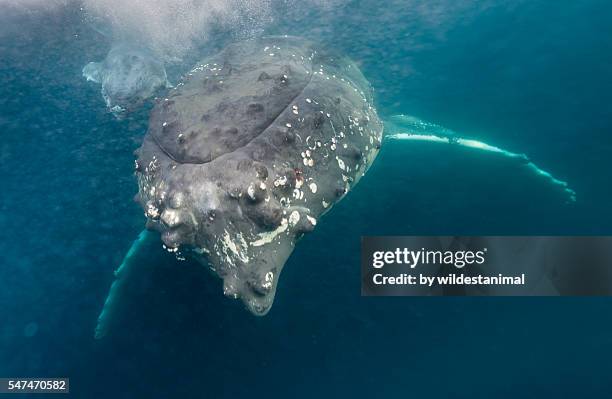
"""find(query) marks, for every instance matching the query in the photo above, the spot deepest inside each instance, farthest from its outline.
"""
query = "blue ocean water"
(533, 77)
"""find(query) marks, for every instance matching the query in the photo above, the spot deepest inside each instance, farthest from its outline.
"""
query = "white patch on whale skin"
(281, 181)
(201, 251)
(152, 211)
(269, 278)
(341, 163)
(251, 191)
(239, 250)
(269, 236)
(294, 218)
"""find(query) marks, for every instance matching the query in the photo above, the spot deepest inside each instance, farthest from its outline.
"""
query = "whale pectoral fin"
(131, 265)
(405, 127)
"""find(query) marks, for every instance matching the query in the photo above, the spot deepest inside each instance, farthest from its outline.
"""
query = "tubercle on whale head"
(257, 291)
(168, 210)
(178, 226)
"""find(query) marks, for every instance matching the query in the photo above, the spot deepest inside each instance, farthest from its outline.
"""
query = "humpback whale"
(248, 152)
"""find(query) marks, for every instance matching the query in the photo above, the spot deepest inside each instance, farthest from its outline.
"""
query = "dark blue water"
(532, 77)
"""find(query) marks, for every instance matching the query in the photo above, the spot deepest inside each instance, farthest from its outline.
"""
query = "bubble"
(171, 28)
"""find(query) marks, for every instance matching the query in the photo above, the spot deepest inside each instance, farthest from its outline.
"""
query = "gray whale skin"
(248, 152)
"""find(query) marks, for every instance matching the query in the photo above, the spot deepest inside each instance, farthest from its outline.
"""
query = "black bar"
(34, 385)
(486, 266)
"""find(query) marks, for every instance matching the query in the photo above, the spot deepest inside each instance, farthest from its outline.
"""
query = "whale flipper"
(404, 127)
(131, 265)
